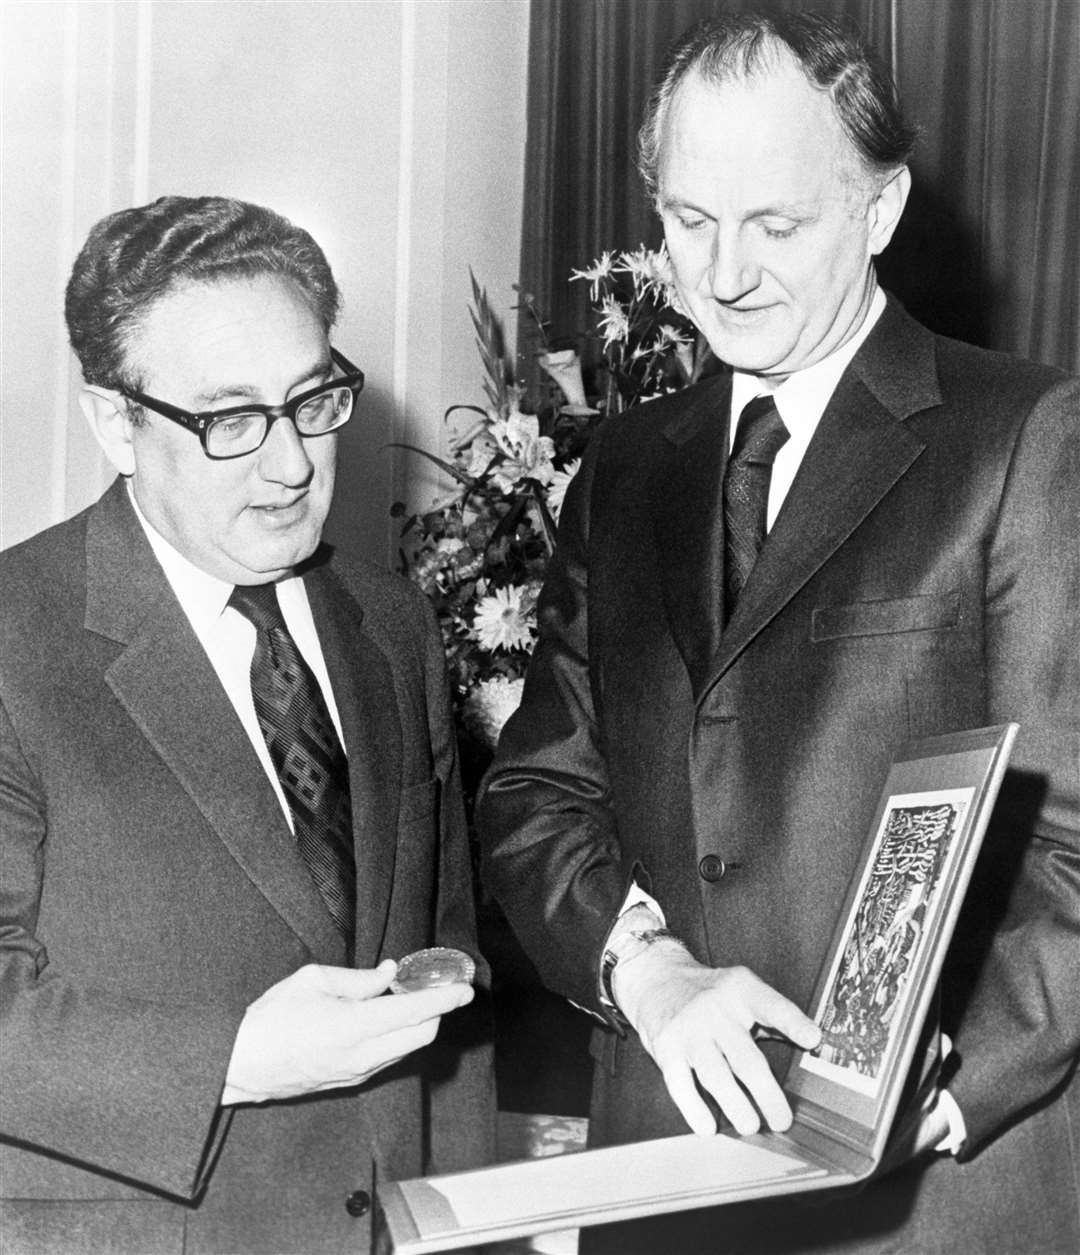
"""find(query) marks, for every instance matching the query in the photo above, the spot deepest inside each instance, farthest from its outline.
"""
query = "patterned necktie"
(305, 751)
(758, 438)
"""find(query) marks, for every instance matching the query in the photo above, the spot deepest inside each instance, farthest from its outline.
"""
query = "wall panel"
(392, 129)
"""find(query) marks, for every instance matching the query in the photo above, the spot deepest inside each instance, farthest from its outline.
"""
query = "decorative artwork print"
(885, 936)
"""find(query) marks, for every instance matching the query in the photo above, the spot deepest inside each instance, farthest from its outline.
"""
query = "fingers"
(775, 1012)
(734, 1074)
(717, 1080)
(327, 1027)
(683, 1089)
(749, 1073)
(384, 1015)
(699, 1032)
(347, 982)
(391, 1028)
(399, 1042)
(364, 983)
(374, 1053)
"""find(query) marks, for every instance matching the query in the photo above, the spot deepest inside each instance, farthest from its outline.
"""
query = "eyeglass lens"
(236, 434)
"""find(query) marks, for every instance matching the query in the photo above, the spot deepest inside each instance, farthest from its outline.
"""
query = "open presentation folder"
(872, 998)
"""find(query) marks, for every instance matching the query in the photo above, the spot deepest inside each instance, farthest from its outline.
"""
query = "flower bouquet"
(480, 552)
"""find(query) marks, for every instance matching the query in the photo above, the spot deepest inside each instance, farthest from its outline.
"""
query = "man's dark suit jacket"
(922, 576)
(152, 890)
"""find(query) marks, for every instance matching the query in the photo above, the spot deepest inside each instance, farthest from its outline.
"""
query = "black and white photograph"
(489, 490)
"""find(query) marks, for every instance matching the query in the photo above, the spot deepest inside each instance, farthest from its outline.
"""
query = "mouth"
(744, 311)
(280, 512)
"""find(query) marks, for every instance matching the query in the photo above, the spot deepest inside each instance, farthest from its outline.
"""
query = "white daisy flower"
(505, 620)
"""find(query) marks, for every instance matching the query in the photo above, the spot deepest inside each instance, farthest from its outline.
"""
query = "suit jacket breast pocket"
(932, 612)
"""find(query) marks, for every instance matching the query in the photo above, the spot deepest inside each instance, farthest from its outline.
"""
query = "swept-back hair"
(134, 257)
(832, 56)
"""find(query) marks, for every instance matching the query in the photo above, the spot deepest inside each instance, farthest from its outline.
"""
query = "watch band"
(621, 949)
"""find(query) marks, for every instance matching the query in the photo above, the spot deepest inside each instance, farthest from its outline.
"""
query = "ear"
(886, 208)
(107, 413)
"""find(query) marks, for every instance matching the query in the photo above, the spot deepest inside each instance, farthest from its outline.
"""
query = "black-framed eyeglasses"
(241, 429)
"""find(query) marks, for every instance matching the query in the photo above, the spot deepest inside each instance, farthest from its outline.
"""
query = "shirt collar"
(202, 597)
(803, 396)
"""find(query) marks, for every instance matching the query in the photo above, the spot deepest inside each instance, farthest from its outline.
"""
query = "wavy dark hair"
(134, 257)
(831, 54)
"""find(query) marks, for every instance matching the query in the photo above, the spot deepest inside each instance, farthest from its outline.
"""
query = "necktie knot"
(258, 603)
(758, 438)
(761, 433)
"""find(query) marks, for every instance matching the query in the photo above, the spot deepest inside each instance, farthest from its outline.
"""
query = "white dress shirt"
(229, 638)
(801, 400)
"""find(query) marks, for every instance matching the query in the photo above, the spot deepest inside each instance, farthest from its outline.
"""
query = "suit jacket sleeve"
(1019, 1037)
(550, 846)
(123, 1084)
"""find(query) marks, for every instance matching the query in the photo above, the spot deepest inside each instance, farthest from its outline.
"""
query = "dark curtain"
(989, 248)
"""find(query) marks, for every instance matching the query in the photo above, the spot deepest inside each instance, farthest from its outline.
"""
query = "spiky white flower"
(649, 270)
(559, 483)
(596, 273)
(671, 336)
(613, 322)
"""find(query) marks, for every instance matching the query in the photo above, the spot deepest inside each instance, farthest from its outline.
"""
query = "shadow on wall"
(934, 267)
(359, 522)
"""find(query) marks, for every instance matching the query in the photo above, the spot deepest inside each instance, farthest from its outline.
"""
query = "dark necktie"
(305, 751)
(758, 438)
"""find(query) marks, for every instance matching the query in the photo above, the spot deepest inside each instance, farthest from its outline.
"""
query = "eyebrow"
(677, 202)
(789, 209)
(797, 213)
(245, 391)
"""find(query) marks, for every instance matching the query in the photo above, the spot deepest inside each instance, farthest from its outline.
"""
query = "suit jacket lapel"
(859, 451)
(367, 702)
(686, 502)
(166, 683)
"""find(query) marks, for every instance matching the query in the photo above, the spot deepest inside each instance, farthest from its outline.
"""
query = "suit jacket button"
(712, 867)
(358, 1203)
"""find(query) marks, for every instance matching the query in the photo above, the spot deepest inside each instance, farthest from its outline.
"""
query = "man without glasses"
(859, 534)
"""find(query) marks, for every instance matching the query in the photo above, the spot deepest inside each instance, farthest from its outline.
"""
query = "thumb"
(353, 983)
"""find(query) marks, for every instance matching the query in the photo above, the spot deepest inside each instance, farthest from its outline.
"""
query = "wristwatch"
(622, 946)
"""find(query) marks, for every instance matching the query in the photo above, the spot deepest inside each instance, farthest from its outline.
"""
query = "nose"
(732, 271)
(283, 459)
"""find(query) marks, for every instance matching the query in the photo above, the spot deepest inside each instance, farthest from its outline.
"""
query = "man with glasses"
(228, 788)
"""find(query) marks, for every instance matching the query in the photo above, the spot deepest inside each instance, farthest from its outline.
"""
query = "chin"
(274, 561)
(753, 363)
(751, 353)
(760, 358)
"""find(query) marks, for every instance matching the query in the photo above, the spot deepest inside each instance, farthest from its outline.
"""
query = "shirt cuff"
(954, 1140)
(639, 911)
(636, 896)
